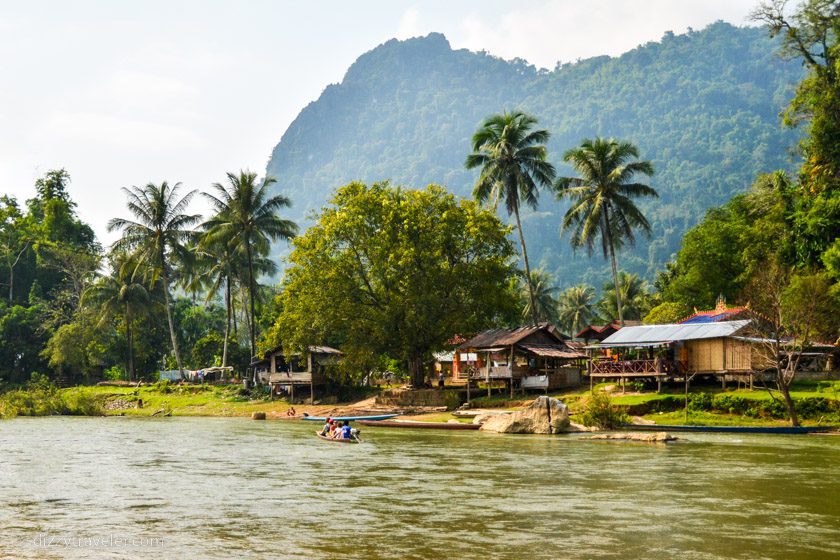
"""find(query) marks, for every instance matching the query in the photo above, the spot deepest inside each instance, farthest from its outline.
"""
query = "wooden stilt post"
(510, 366)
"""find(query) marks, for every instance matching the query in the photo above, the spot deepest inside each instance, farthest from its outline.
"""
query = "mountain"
(703, 106)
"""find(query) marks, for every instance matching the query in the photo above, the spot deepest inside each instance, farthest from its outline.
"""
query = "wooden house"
(659, 352)
(533, 357)
(284, 373)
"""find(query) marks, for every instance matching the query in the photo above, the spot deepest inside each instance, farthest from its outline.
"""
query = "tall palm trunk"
(607, 234)
(253, 321)
(172, 336)
(534, 315)
(227, 323)
(129, 335)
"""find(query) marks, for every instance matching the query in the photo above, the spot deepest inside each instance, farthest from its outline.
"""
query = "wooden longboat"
(338, 440)
(732, 429)
(422, 425)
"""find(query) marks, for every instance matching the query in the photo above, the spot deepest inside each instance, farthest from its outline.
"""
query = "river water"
(235, 488)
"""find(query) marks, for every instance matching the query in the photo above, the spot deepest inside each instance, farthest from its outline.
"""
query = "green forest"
(703, 107)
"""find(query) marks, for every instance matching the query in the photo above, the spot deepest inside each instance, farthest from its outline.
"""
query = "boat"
(350, 418)
(422, 425)
(732, 429)
(339, 440)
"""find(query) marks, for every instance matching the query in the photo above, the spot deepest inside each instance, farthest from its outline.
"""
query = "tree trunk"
(415, 367)
(782, 383)
(11, 283)
(227, 323)
(172, 336)
(609, 242)
(785, 390)
(534, 315)
(253, 322)
(130, 340)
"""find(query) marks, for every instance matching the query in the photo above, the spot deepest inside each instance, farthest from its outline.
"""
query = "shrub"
(601, 413)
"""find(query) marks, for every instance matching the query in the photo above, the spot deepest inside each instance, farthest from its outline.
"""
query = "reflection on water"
(221, 488)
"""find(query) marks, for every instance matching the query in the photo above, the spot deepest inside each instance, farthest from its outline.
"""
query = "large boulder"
(544, 416)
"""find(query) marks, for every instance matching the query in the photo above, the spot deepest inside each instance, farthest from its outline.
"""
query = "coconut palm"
(247, 221)
(576, 308)
(119, 294)
(602, 198)
(157, 238)
(544, 292)
(512, 158)
(635, 297)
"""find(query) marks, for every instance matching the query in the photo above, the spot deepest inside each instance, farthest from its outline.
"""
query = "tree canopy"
(397, 272)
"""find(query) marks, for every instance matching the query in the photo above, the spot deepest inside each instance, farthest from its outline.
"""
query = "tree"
(120, 294)
(543, 289)
(512, 158)
(247, 220)
(575, 308)
(157, 237)
(667, 312)
(792, 309)
(634, 294)
(15, 239)
(388, 271)
(602, 204)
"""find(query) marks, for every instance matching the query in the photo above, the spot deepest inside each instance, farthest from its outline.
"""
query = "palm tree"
(635, 297)
(247, 221)
(544, 298)
(513, 167)
(157, 237)
(119, 294)
(575, 308)
(602, 204)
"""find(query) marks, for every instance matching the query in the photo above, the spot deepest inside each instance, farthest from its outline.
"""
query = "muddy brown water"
(234, 488)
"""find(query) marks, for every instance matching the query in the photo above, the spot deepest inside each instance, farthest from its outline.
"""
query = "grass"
(701, 418)
(187, 400)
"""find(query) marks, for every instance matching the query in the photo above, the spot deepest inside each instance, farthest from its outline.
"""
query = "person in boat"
(327, 425)
(346, 430)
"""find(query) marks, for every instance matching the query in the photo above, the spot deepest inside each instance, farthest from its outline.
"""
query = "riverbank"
(817, 402)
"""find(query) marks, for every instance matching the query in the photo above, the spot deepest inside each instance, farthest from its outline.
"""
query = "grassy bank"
(817, 403)
(148, 400)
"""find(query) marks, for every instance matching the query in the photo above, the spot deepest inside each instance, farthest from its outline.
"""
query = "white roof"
(651, 334)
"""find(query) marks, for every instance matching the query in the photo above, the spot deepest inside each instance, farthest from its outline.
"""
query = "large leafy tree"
(157, 238)
(247, 220)
(810, 32)
(388, 271)
(512, 158)
(602, 196)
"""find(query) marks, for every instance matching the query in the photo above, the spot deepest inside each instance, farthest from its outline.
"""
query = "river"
(225, 488)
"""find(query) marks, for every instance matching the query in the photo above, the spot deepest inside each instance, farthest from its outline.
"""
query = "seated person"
(346, 430)
(326, 429)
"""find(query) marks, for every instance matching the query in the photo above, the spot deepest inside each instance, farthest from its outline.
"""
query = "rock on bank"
(545, 415)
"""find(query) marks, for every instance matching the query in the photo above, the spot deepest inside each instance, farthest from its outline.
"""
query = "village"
(709, 352)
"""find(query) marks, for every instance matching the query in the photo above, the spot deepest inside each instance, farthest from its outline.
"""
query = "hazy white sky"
(123, 93)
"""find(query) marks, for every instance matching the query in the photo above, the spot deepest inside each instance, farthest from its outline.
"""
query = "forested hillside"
(703, 106)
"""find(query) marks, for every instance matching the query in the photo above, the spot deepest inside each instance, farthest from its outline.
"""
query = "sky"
(125, 93)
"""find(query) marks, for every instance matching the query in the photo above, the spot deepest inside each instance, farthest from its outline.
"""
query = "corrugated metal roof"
(670, 333)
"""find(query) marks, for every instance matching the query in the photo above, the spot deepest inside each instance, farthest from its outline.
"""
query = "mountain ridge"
(703, 106)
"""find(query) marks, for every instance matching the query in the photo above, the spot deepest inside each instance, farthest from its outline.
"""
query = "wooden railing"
(607, 367)
(627, 367)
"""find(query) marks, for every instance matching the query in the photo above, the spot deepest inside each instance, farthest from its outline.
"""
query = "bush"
(42, 398)
(601, 413)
